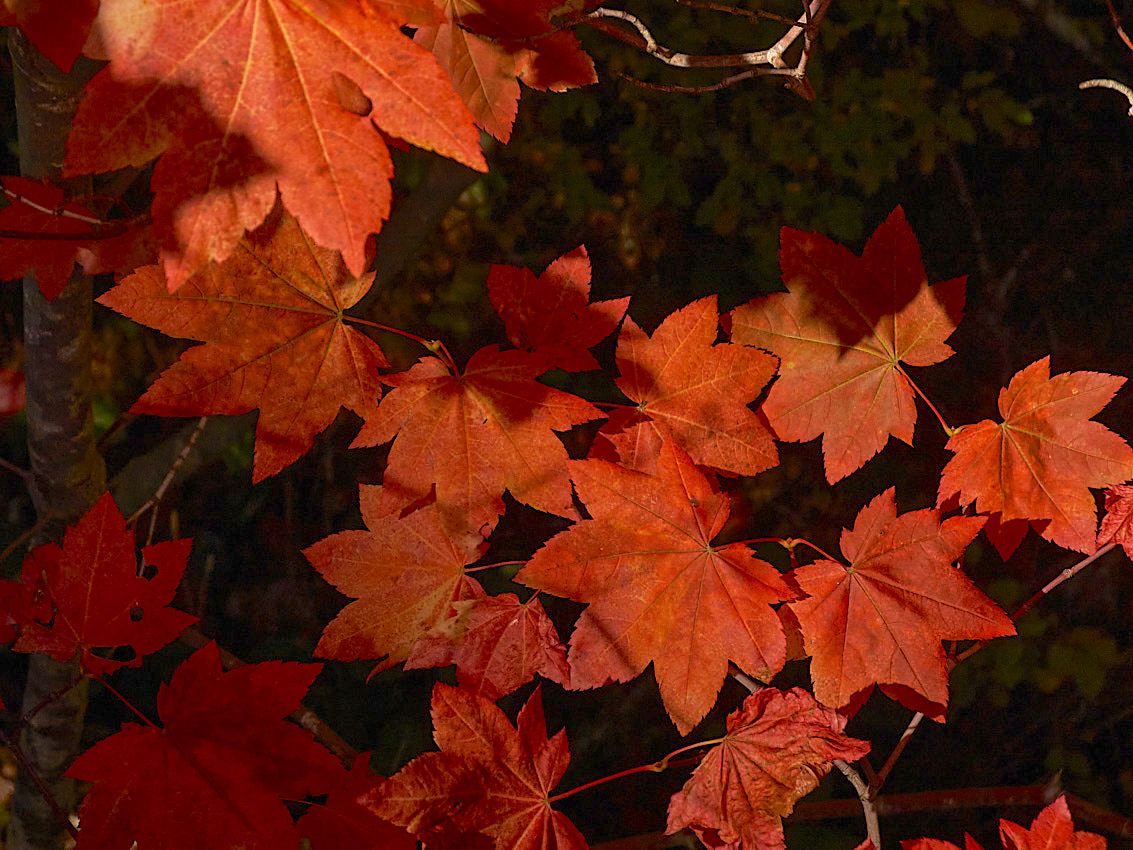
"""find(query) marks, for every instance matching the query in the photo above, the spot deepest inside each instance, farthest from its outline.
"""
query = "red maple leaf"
(881, 619)
(404, 572)
(58, 28)
(90, 596)
(490, 780)
(1052, 829)
(842, 334)
(698, 392)
(484, 69)
(342, 823)
(476, 434)
(553, 315)
(778, 747)
(242, 98)
(659, 590)
(39, 208)
(272, 317)
(1042, 460)
(497, 644)
(218, 769)
(1117, 524)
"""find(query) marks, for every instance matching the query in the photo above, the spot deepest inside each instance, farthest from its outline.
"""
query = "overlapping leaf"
(552, 314)
(219, 770)
(475, 435)
(272, 317)
(490, 784)
(404, 573)
(842, 333)
(778, 747)
(240, 98)
(87, 594)
(58, 28)
(659, 590)
(484, 69)
(497, 644)
(37, 208)
(1052, 829)
(698, 392)
(1042, 460)
(342, 823)
(1117, 524)
(881, 619)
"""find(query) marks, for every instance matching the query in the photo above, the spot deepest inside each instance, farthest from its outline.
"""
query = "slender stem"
(1117, 24)
(947, 430)
(155, 499)
(434, 345)
(655, 767)
(493, 566)
(879, 778)
(15, 470)
(23, 538)
(126, 702)
(29, 771)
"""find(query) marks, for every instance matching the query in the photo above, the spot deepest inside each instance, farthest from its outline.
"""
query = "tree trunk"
(68, 474)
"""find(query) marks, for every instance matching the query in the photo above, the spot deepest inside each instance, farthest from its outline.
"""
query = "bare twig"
(1111, 84)
(873, 828)
(1117, 24)
(898, 748)
(155, 499)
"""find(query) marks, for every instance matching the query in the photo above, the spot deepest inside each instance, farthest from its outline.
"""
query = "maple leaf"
(1117, 524)
(698, 392)
(272, 317)
(1042, 460)
(1052, 829)
(778, 747)
(497, 643)
(39, 208)
(490, 778)
(99, 599)
(841, 335)
(342, 823)
(552, 315)
(244, 97)
(475, 434)
(58, 28)
(658, 590)
(404, 572)
(218, 769)
(881, 619)
(484, 69)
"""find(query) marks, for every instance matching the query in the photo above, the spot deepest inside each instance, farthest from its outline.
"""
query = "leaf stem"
(492, 566)
(947, 429)
(102, 681)
(655, 767)
(434, 345)
(789, 543)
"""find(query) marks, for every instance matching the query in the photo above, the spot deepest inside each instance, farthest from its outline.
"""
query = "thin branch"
(873, 828)
(1117, 24)
(879, 779)
(155, 499)
(1111, 84)
(645, 40)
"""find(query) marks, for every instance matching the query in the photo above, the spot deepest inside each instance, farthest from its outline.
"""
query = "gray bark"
(68, 475)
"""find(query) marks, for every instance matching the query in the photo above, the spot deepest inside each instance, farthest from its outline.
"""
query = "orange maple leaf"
(220, 769)
(404, 573)
(1117, 524)
(842, 333)
(552, 315)
(474, 435)
(1042, 460)
(87, 595)
(272, 316)
(239, 98)
(484, 70)
(695, 390)
(659, 590)
(881, 619)
(778, 747)
(491, 780)
(1052, 829)
(497, 644)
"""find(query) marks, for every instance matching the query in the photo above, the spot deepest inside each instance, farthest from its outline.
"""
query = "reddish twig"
(1117, 24)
